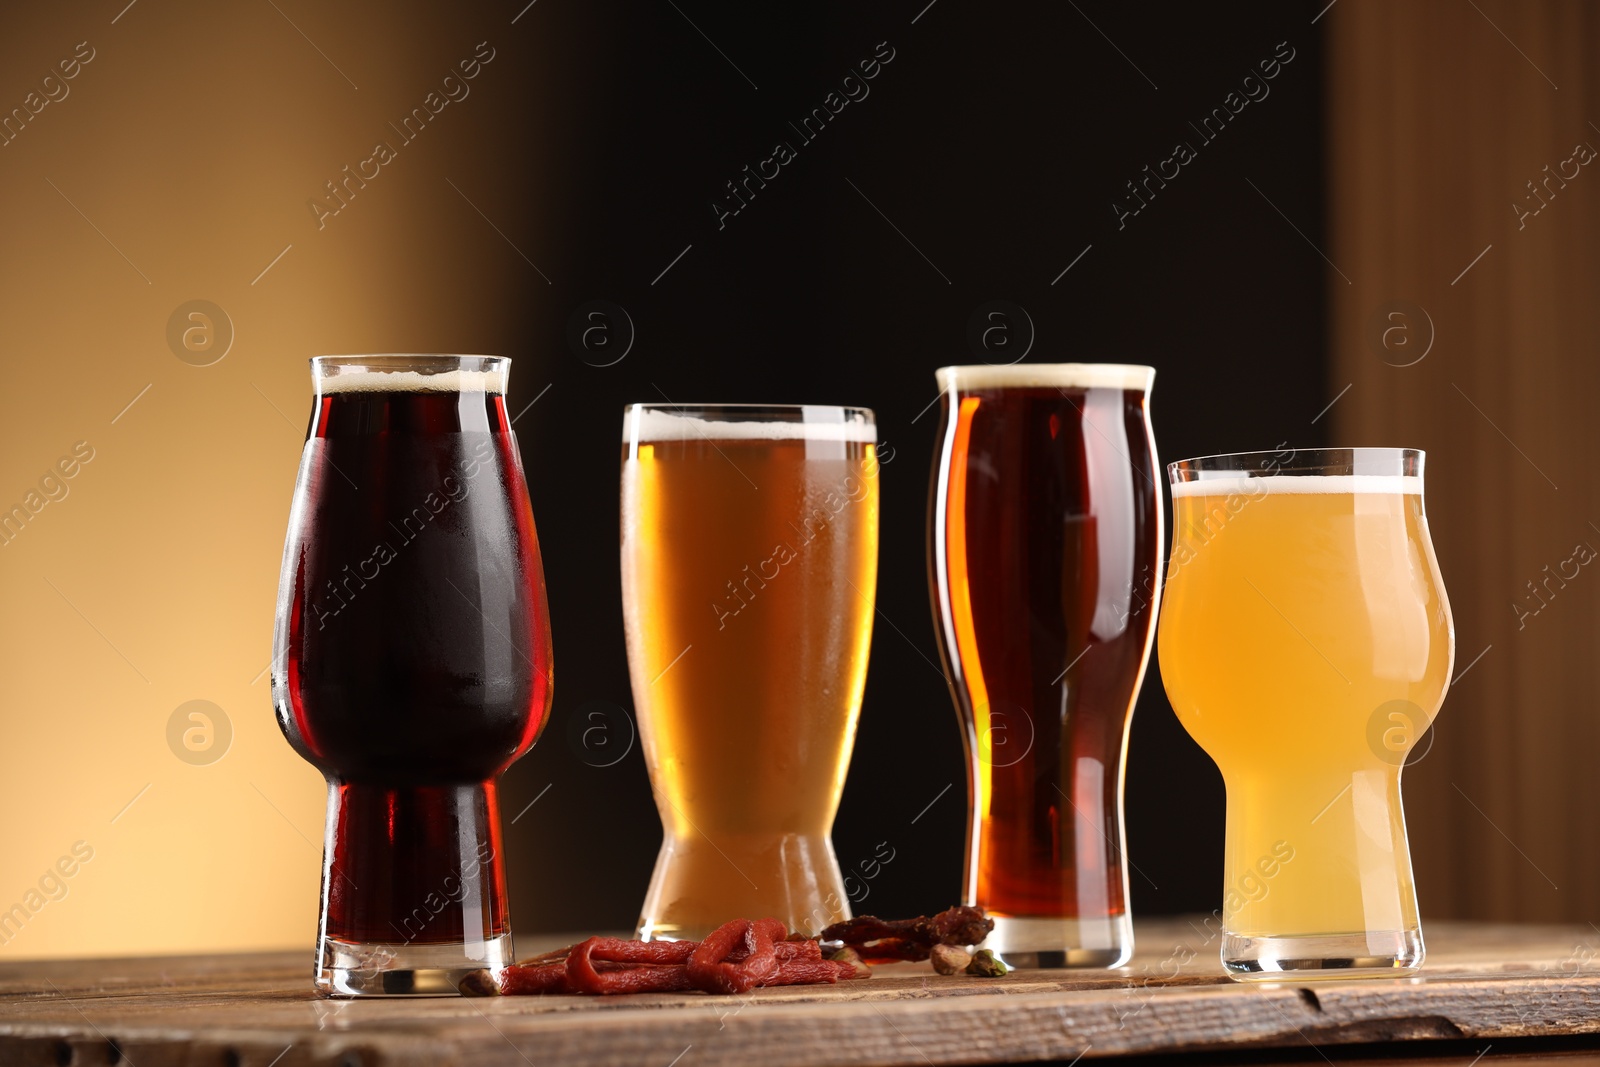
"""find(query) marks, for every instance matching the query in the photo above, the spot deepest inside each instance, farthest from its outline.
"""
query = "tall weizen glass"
(749, 569)
(1306, 643)
(1044, 531)
(411, 661)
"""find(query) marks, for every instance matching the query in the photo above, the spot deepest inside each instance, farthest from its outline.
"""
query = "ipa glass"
(1306, 643)
(411, 661)
(1044, 555)
(749, 568)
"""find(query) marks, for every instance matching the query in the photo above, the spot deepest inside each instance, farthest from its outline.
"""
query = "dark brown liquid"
(417, 654)
(1056, 544)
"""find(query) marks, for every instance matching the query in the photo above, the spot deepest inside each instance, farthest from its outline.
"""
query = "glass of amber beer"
(1044, 529)
(749, 568)
(411, 661)
(1306, 643)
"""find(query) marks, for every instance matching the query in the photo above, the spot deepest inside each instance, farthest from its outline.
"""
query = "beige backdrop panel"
(177, 165)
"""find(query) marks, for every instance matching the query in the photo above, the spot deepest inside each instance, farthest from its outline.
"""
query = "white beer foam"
(1047, 376)
(411, 381)
(1229, 484)
(642, 425)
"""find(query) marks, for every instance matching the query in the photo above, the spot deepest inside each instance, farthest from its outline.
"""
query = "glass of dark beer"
(1044, 557)
(411, 661)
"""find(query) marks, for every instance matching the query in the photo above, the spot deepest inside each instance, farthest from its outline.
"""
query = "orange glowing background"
(176, 164)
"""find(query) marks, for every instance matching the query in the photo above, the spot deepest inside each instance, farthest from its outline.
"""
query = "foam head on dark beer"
(1046, 376)
(410, 372)
(362, 380)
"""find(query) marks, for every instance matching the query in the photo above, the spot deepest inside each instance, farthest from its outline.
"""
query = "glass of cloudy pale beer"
(411, 661)
(1306, 643)
(1044, 530)
(749, 570)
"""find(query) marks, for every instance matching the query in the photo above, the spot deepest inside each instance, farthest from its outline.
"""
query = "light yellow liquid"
(1291, 621)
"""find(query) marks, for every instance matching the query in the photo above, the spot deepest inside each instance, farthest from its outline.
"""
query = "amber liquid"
(748, 575)
(1046, 531)
(415, 663)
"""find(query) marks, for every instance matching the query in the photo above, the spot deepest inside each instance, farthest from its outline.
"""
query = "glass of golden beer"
(1044, 554)
(1306, 643)
(749, 569)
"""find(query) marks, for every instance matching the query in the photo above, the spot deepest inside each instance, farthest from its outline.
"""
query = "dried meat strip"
(798, 950)
(911, 939)
(718, 965)
(735, 958)
(813, 972)
(515, 980)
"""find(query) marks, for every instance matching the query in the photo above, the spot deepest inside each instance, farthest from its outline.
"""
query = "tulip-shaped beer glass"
(1306, 644)
(411, 661)
(1044, 559)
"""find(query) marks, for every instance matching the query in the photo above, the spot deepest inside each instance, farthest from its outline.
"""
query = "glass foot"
(1373, 954)
(401, 969)
(700, 883)
(1035, 943)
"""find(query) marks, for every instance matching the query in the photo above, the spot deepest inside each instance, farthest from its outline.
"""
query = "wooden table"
(1482, 985)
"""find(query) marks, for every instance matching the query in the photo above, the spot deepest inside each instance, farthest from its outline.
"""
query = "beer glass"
(411, 661)
(749, 568)
(1044, 529)
(1306, 643)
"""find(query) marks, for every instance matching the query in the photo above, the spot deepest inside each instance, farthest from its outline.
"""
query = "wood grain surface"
(1480, 982)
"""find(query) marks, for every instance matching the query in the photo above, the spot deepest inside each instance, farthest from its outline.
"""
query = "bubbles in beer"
(1393, 730)
(1005, 733)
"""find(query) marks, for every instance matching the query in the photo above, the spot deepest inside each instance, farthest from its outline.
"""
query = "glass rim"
(390, 362)
(650, 423)
(410, 372)
(1300, 462)
(1135, 376)
(845, 410)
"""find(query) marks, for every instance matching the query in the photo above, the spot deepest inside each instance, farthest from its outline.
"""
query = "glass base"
(1035, 943)
(400, 969)
(1371, 954)
(700, 883)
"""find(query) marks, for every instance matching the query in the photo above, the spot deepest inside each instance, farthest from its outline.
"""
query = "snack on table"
(887, 940)
(735, 958)
(742, 955)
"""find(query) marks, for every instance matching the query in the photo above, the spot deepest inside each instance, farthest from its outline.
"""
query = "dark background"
(996, 141)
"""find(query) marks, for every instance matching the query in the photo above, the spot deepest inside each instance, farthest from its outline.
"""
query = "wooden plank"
(1480, 983)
